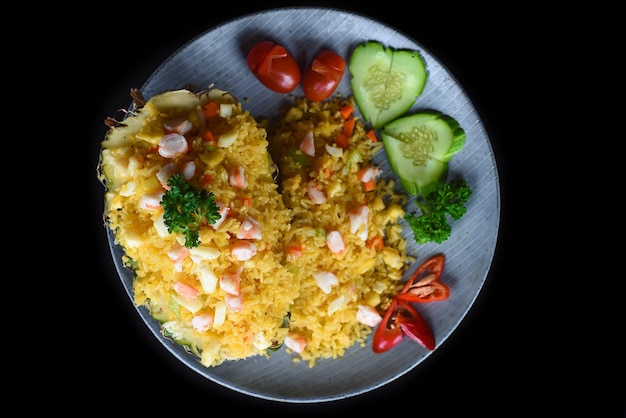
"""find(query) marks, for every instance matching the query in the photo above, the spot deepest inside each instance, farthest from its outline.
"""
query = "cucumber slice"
(385, 82)
(419, 147)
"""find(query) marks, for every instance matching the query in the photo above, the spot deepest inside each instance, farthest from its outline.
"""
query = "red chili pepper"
(388, 334)
(414, 326)
(402, 319)
(424, 285)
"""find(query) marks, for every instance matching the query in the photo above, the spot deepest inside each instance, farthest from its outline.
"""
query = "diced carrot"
(342, 141)
(207, 179)
(209, 137)
(372, 135)
(368, 186)
(375, 243)
(247, 201)
(211, 109)
(295, 250)
(348, 127)
(346, 111)
(327, 171)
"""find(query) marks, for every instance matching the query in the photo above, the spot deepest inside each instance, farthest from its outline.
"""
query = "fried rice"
(327, 253)
(364, 272)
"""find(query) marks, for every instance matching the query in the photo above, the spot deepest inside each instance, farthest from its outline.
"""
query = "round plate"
(218, 57)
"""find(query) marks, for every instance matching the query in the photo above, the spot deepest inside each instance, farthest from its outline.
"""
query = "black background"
(501, 360)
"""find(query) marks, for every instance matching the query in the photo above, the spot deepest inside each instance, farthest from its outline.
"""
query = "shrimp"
(203, 321)
(229, 282)
(177, 254)
(368, 315)
(369, 173)
(315, 193)
(243, 250)
(325, 280)
(172, 145)
(189, 170)
(359, 218)
(308, 145)
(335, 242)
(165, 173)
(186, 291)
(238, 179)
(151, 201)
(250, 229)
(178, 125)
(234, 303)
(223, 211)
(296, 342)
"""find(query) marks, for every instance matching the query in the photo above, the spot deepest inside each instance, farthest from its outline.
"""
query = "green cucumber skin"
(371, 55)
(416, 179)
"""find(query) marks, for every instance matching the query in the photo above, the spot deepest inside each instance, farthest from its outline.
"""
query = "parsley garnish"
(432, 225)
(186, 207)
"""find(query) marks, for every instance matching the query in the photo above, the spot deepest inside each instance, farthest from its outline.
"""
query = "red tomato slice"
(274, 66)
(323, 75)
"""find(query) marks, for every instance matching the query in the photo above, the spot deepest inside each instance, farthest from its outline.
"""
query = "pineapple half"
(228, 298)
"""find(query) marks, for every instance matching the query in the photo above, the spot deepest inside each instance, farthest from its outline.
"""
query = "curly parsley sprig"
(447, 200)
(186, 207)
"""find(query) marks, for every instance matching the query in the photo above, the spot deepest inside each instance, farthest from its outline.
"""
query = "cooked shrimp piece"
(369, 173)
(307, 145)
(296, 342)
(335, 243)
(172, 145)
(189, 170)
(238, 179)
(325, 280)
(178, 125)
(359, 218)
(234, 303)
(165, 173)
(315, 193)
(223, 214)
(202, 322)
(186, 291)
(243, 250)
(250, 229)
(178, 253)
(368, 315)
(151, 201)
(229, 282)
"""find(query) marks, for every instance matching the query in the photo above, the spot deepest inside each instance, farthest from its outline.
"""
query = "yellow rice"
(366, 276)
(280, 295)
